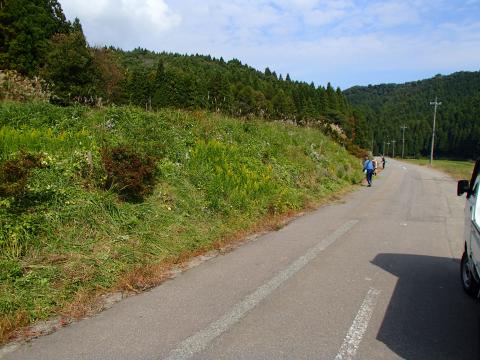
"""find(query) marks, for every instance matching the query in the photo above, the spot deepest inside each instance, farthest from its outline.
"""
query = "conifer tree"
(26, 27)
(69, 67)
(331, 97)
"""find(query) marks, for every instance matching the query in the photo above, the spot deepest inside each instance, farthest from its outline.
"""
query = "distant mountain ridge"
(387, 107)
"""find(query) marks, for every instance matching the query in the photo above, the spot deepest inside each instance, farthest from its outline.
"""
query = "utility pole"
(388, 146)
(403, 137)
(393, 142)
(383, 148)
(435, 103)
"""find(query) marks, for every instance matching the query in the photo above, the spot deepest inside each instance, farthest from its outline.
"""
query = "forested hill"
(197, 81)
(388, 107)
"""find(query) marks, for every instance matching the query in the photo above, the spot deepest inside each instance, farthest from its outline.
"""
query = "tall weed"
(229, 179)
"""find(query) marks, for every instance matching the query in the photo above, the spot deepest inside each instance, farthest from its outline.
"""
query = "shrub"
(14, 173)
(130, 174)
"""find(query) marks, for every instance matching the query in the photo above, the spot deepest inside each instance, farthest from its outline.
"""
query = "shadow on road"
(429, 316)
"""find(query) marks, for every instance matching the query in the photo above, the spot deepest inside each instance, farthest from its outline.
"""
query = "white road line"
(199, 341)
(357, 330)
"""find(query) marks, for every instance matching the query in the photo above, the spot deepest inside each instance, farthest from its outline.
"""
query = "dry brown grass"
(85, 304)
(142, 278)
(10, 326)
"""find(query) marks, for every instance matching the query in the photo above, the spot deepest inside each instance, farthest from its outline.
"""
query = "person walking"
(368, 169)
(383, 162)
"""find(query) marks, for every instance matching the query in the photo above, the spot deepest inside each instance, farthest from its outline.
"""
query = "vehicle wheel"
(470, 285)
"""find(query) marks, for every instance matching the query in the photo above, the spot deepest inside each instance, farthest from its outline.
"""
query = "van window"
(473, 180)
(476, 212)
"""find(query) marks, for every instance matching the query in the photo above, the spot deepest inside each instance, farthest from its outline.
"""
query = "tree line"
(37, 40)
(389, 107)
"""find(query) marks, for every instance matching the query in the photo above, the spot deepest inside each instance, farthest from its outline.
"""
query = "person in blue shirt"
(368, 168)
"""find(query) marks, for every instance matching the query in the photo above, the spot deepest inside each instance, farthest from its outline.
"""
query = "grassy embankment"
(456, 169)
(66, 236)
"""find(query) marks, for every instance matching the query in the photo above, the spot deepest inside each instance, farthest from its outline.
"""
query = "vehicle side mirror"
(463, 186)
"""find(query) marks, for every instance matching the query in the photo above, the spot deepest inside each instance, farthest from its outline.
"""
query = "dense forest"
(389, 107)
(37, 41)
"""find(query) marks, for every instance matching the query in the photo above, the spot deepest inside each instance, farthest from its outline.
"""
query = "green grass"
(66, 236)
(457, 169)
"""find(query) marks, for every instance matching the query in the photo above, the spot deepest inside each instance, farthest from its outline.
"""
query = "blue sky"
(345, 42)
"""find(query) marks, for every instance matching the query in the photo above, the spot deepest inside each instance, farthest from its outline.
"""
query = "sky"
(344, 42)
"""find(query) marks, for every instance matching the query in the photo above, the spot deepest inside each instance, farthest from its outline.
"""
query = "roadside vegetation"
(457, 169)
(97, 200)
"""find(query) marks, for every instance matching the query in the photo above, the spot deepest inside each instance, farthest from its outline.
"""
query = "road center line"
(357, 330)
(200, 340)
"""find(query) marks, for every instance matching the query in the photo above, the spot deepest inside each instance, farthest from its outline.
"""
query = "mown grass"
(456, 169)
(66, 238)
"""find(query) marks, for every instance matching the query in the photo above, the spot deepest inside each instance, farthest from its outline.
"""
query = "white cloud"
(122, 22)
(85, 8)
(155, 11)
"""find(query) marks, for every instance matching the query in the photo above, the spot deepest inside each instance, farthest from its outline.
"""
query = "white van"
(470, 265)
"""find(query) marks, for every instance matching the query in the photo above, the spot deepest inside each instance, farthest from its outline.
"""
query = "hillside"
(93, 200)
(387, 107)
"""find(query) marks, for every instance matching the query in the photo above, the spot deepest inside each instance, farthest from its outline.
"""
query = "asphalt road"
(373, 276)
